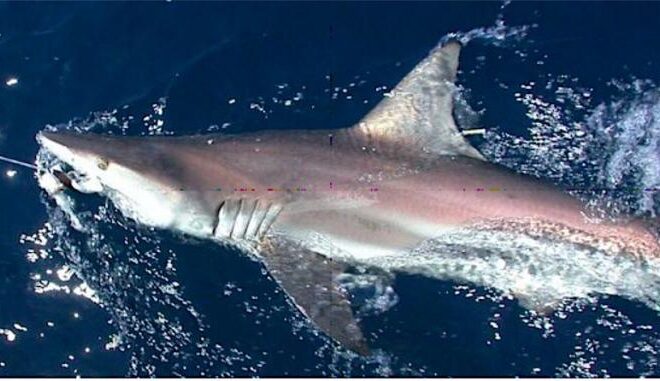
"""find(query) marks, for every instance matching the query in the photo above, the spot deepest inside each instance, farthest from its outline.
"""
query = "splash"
(638, 351)
(123, 121)
(628, 130)
(499, 34)
(606, 154)
(131, 275)
(371, 294)
(539, 273)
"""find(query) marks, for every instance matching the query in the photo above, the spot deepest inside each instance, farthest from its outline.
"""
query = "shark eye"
(102, 164)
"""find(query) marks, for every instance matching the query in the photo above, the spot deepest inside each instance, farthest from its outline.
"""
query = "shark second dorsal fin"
(417, 114)
(308, 278)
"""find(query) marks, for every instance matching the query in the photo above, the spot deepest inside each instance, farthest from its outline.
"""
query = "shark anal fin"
(308, 278)
(417, 115)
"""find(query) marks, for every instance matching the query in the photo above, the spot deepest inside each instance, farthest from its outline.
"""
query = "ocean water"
(566, 92)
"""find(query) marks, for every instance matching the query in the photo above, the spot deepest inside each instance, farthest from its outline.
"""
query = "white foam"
(540, 273)
(9, 334)
(632, 126)
(613, 147)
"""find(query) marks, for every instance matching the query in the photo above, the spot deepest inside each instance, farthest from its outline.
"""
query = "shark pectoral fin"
(308, 278)
(418, 114)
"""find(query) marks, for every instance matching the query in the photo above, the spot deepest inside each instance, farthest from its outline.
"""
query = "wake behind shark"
(310, 203)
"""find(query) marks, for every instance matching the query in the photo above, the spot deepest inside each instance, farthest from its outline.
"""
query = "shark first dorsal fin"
(417, 114)
(308, 278)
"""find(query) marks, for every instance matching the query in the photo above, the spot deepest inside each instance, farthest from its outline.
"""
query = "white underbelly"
(356, 234)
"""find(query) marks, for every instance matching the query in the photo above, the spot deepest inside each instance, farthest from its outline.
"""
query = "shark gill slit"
(256, 217)
(269, 217)
(262, 219)
(235, 218)
(245, 215)
(216, 221)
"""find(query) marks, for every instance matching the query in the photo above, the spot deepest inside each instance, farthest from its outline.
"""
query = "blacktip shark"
(309, 203)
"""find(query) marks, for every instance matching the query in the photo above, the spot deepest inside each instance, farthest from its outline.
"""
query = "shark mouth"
(55, 175)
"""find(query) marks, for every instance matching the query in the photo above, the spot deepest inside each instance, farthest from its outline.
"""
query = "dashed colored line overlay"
(333, 187)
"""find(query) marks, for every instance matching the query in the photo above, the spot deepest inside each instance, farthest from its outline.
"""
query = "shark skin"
(309, 203)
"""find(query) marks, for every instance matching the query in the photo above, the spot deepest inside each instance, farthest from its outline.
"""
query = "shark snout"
(68, 148)
(50, 139)
(44, 138)
(72, 148)
(56, 145)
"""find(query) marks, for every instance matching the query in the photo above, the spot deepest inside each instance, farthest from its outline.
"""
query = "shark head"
(88, 157)
(101, 160)
(112, 166)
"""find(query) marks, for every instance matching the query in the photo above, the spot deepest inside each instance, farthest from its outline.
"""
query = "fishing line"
(18, 162)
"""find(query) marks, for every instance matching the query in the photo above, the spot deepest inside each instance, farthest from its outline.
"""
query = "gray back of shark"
(309, 203)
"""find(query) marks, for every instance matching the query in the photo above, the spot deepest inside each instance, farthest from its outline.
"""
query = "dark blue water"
(166, 305)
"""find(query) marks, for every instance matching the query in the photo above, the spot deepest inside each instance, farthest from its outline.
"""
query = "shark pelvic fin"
(417, 114)
(308, 278)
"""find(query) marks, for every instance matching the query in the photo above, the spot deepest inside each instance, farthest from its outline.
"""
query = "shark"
(310, 203)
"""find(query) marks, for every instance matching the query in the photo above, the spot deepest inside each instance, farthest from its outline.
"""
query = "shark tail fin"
(417, 114)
